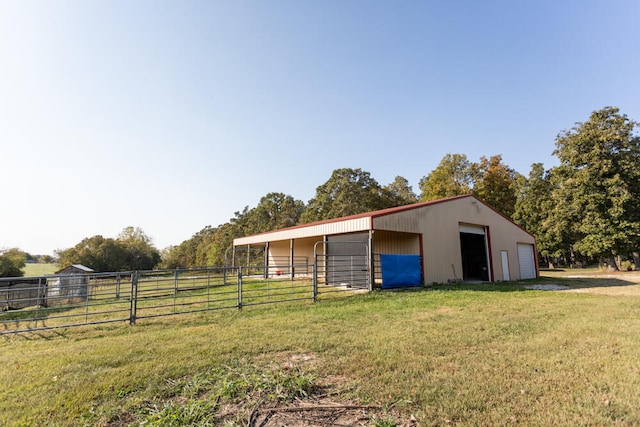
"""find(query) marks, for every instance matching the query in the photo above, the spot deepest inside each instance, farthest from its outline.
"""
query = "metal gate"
(342, 265)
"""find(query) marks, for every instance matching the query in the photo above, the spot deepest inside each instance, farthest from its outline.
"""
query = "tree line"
(585, 209)
(349, 192)
(131, 250)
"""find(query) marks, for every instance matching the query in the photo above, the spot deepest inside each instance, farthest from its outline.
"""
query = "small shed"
(454, 239)
(19, 292)
(71, 284)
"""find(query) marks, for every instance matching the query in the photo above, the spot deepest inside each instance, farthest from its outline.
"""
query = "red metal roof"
(373, 214)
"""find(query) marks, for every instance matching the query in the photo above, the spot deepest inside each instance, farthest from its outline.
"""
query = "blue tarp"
(400, 270)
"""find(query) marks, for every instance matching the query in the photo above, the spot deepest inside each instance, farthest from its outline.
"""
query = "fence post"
(371, 262)
(315, 278)
(239, 288)
(86, 312)
(133, 305)
(42, 292)
(118, 286)
(208, 287)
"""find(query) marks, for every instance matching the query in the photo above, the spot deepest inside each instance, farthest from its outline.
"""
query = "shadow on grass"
(548, 282)
(39, 334)
(477, 287)
(461, 286)
(577, 279)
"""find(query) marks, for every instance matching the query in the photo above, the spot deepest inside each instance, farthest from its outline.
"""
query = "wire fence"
(50, 302)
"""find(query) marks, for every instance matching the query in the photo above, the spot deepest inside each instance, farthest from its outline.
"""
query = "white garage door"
(527, 261)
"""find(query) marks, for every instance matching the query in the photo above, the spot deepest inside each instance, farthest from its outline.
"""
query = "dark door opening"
(474, 257)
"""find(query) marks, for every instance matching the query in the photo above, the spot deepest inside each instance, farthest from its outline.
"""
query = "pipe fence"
(63, 301)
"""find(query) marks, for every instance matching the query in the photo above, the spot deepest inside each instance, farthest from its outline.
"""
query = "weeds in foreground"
(197, 401)
(386, 421)
(191, 413)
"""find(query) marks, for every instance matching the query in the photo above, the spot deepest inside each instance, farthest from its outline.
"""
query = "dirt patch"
(315, 413)
(324, 406)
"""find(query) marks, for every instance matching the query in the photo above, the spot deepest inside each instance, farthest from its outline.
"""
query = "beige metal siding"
(304, 248)
(279, 253)
(302, 251)
(407, 222)
(441, 244)
(440, 226)
(385, 242)
(335, 227)
(503, 235)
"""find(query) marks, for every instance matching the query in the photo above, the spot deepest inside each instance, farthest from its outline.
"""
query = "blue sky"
(172, 115)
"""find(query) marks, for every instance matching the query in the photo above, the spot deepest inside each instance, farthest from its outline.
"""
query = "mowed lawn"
(446, 355)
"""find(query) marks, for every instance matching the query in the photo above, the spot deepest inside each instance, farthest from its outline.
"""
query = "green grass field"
(449, 355)
(40, 269)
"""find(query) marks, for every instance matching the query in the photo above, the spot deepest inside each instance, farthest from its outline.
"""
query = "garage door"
(527, 261)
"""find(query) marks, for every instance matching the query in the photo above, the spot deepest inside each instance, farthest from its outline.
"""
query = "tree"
(599, 184)
(452, 177)
(210, 246)
(140, 252)
(216, 250)
(495, 183)
(535, 212)
(96, 252)
(46, 259)
(400, 193)
(12, 261)
(189, 252)
(274, 211)
(347, 192)
(132, 250)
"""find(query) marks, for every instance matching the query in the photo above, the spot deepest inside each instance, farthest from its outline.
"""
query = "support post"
(175, 283)
(133, 303)
(315, 278)
(240, 288)
(175, 289)
(292, 267)
(372, 272)
(266, 260)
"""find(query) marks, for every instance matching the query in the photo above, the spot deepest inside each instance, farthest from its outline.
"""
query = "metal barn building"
(454, 239)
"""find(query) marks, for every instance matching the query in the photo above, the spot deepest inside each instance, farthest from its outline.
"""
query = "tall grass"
(468, 355)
